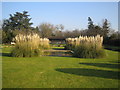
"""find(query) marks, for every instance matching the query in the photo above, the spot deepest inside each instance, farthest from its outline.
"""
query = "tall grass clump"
(86, 47)
(28, 45)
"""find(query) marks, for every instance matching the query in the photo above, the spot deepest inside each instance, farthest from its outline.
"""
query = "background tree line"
(20, 23)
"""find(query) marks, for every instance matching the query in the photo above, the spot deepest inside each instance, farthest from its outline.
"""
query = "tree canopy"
(17, 21)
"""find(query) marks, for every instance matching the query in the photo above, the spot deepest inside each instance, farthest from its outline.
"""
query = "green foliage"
(17, 23)
(25, 51)
(93, 30)
(113, 40)
(69, 46)
(88, 51)
(7, 36)
(105, 28)
(90, 24)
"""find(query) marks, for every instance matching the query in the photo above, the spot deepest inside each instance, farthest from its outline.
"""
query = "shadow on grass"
(5, 54)
(116, 62)
(90, 72)
(58, 48)
(105, 65)
(117, 49)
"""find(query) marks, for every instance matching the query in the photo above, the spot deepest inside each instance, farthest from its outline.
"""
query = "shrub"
(29, 45)
(86, 47)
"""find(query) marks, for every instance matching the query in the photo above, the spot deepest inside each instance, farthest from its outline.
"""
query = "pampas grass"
(28, 45)
(86, 47)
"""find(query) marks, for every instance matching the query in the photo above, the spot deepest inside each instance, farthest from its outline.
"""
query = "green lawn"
(58, 48)
(60, 72)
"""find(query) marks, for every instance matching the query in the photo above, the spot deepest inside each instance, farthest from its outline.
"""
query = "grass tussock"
(29, 45)
(86, 47)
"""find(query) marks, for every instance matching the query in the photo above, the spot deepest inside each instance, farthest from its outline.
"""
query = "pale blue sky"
(71, 14)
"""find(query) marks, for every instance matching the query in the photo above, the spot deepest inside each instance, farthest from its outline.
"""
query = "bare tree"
(46, 30)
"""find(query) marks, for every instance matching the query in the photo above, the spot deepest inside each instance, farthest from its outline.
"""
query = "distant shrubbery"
(114, 39)
(28, 45)
(86, 47)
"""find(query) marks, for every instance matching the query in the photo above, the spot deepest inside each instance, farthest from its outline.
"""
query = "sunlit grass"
(60, 72)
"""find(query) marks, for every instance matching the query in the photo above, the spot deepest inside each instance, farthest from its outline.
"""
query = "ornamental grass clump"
(28, 45)
(86, 47)
(44, 43)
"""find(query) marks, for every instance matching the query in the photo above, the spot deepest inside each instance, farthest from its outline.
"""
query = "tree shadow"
(112, 49)
(116, 62)
(106, 65)
(5, 54)
(90, 72)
